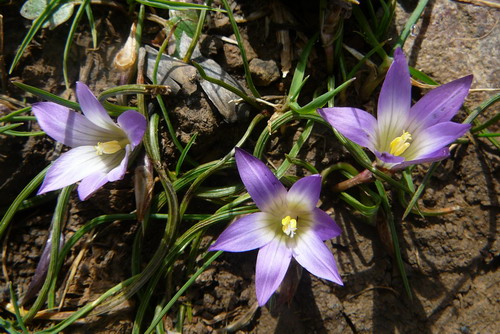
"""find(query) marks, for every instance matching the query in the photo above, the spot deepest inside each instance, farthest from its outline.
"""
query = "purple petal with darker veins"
(68, 127)
(395, 98)
(247, 233)
(355, 124)
(312, 254)
(431, 157)
(72, 167)
(436, 137)
(134, 124)
(324, 225)
(91, 107)
(90, 184)
(272, 263)
(305, 192)
(118, 172)
(264, 188)
(439, 105)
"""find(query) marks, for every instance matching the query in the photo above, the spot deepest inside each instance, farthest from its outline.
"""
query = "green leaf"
(32, 9)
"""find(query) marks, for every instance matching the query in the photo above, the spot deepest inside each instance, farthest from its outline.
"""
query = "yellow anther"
(108, 147)
(289, 226)
(400, 144)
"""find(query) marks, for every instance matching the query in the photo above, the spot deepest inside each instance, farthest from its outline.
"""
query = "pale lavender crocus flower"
(289, 225)
(404, 135)
(100, 148)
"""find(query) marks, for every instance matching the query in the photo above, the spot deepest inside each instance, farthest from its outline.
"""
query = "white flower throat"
(289, 226)
(400, 144)
(110, 147)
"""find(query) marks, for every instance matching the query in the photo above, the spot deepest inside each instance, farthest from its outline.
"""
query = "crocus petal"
(134, 124)
(68, 127)
(304, 194)
(90, 184)
(312, 254)
(439, 105)
(264, 188)
(431, 157)
(355, 124)
(434, 138)
(389, 158)
(92, 108)
(324, 226)
(272, 263)
(74, 166)
(120, 160)
(247, 233)
(394, 100)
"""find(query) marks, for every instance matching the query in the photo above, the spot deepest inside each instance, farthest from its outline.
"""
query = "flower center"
(110, 147)
(289, 226)
(400, 144)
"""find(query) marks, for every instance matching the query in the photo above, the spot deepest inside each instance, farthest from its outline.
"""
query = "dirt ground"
(452, 261)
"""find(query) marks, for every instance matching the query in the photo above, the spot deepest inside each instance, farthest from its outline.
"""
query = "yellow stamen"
(400, 144)
(108, 147)
(289, 226)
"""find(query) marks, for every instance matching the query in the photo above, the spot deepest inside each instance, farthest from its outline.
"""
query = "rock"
(264, 72)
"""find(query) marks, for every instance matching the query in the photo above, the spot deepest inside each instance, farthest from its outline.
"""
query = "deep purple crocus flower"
(289, 225)
(404, 135)
(100, 147)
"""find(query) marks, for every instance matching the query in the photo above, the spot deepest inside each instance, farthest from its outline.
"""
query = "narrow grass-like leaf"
(69, 40)
(17, 312)
(365, 210)
(197, 33)
(422, 77)
(47, 96)
(394, 236)
(362, 61)
(14, 207)
(57, 223)
(24, 133)
(12, 115)
(93, 30)
(302, 163)
(421, 188)
(243, 52)
(181, 291)
(486, 124)
(227, 86)
(412, 20)
(184, 153)
(367, 31)
(134, 89)
(320, 101)
(298, 75)
(37, 24)
(297, 146)
(9, 127)
(175, 5)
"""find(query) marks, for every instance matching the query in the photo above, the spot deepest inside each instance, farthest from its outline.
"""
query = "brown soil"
(452, 260)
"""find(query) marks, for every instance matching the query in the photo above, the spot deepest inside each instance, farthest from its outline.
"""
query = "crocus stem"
(364, 177)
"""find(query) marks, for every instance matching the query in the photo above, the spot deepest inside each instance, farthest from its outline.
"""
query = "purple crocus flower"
(404, 135)
(100, 147)
(289, 225)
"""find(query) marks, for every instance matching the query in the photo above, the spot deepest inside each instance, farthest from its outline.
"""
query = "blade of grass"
(57, 222)
(47, 96)
(298, 75)
(412, 20)
(394, 236)
(14, 207)
(184, 153)
(69, 40)
(241, 45)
